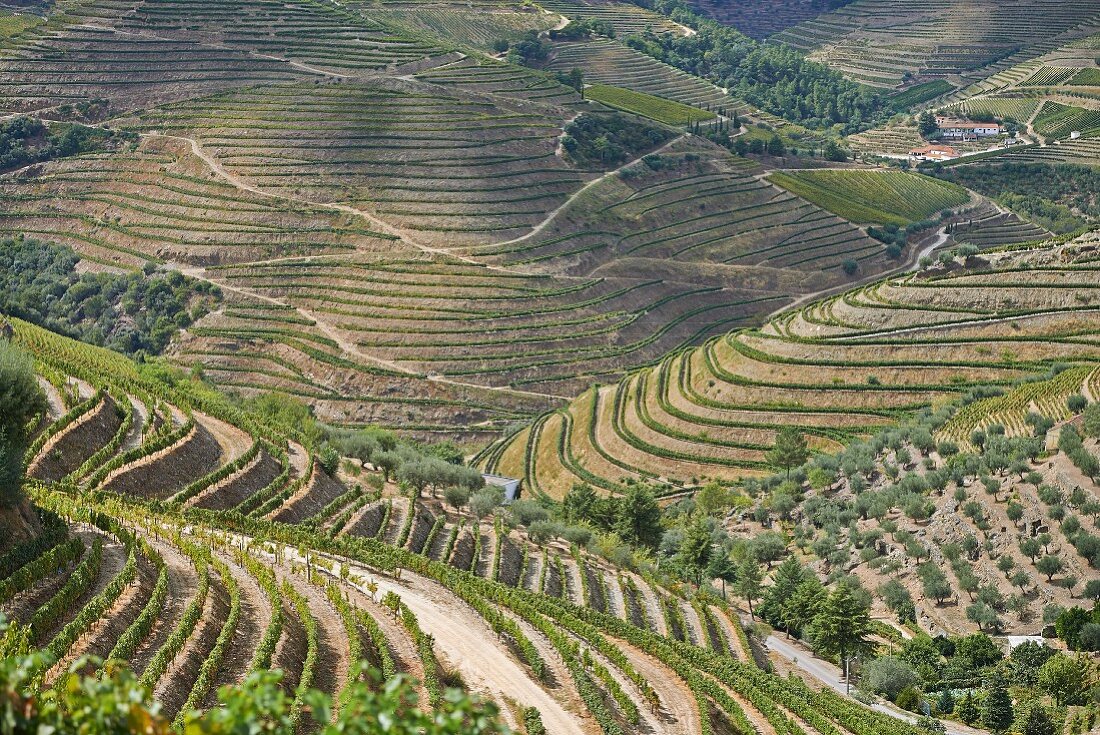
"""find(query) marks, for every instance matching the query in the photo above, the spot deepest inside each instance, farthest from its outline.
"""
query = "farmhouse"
(967, 130)
(934, 153)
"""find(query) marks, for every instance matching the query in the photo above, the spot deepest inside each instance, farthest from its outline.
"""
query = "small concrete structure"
(1016, 640)
(507, 484)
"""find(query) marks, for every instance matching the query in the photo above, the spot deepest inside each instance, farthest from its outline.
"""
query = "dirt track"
(679, 710)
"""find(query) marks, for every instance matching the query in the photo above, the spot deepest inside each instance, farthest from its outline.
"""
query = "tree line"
(127, 312)
(776, 78)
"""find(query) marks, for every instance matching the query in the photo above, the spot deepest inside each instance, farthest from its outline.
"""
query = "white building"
(967, 130)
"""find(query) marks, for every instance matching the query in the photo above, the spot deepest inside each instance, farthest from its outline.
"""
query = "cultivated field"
(836, 369)
(257, 558)
(885, 197)
(884, 43)
(386, 214)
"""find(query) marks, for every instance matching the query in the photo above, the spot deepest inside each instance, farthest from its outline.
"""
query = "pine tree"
(788, 576)
(696, 549)
(967, 709)
(790, 450)
(946, 702)
(721, 567)
(842, 626)
(802, 606)
(997, 709)
(578, 503)
(749, 578)
(639, 517)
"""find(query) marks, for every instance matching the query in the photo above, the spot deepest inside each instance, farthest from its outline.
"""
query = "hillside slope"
(308, 575)
(835, 369)
(385, 211)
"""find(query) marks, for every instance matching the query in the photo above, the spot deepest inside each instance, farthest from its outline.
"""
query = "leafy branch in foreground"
(116, 703)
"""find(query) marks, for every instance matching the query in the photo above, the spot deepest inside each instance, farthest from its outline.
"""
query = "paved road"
(829, 674)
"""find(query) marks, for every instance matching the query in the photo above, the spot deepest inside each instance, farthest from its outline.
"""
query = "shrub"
(526, 512)
(542, 531)
(888, 676)
(456, 496)
(909, 699)
(484, 502)
(578, 535)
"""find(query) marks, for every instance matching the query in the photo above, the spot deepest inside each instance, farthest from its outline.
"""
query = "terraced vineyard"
(884, 43)
(447, 177)
(112, 209)
(1081, 152)
(452, 23)
(1054, 120)
(874, 196)
(990, 226)
(609, 62)
(625, 18)
(655, 108)
(253, 556)
(140, 52)
(761, 19)
(384, 228)
(835, 369)
(382, 247)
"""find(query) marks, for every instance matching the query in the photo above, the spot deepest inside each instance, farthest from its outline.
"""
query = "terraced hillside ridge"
(439, 168)
(763, 19)
(1064, 73)
(609, 62)
(1044, 100)
(196, 599)
(472, 25)
(625, 18)
(385, 214)
(835, 369)
(884, 43)
(124, 56)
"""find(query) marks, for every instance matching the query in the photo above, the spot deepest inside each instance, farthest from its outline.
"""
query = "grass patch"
(1086, 78)
(12, 24)
(920, 93)
(885, 197)
(647, 105)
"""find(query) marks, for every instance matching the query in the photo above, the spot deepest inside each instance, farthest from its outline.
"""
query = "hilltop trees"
(20, 401)
(775, 77)
(609, 139)
(129, 312)
(25, 140)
